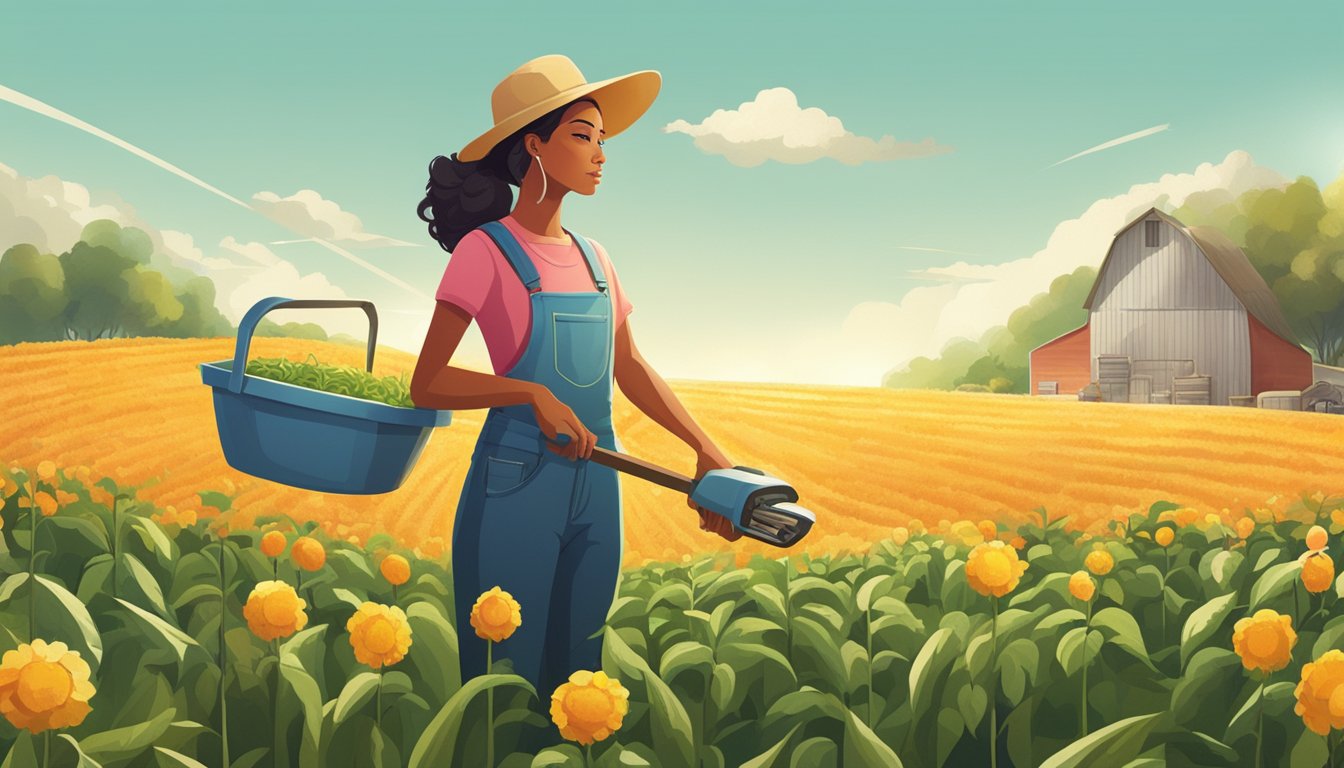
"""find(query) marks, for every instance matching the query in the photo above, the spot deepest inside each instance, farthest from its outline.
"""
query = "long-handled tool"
(758, 505)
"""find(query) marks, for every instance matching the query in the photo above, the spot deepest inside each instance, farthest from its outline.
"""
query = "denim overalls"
(542, 527)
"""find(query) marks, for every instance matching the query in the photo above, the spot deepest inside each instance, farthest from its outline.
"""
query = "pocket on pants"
(508, 469)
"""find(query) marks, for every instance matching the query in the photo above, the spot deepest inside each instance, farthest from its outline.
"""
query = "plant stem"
(223, 703)
(588, 755)
(1087, 627)
(32, 557)
(868, 631)
(1260, 721)
(394, 594)
(379, 717)
(490, 706)
(46, 748)
(275, 646)
(994, 686)
(115, 542)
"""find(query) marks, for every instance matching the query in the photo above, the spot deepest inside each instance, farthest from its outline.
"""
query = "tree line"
(1293, 236)
(105, 286)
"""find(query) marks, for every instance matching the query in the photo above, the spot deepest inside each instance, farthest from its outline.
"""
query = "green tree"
(32, 296)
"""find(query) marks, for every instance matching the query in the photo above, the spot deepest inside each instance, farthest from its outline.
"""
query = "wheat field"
(864, 459)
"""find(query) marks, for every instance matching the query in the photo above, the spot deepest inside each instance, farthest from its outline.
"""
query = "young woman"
(537, 519)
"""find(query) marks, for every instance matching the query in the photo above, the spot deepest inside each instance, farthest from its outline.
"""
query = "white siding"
(1168, 303)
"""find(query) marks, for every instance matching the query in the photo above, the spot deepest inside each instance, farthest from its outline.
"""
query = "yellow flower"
(1017, 542)
(167, 517)
(916, 526)
(1186, 515)
(308, 553)
(1316, 539)
(44, 686)
(10, 487)
(965, 532)
(395, 569)
(46, 470)
(1164, 536)
(274, 610)
(186, 517)
(1245, 527)
(1264, 641)
(900, 536)
(430, 548)
(993, 568)
(46, 503)
(1082, 586)
(379, 634)
(1320, 696)
(82, 474)
(1099, 561)
(273, 544)
(1318, 571)
(988, 530)
(590, 707)
(496, 615)
(66, 498)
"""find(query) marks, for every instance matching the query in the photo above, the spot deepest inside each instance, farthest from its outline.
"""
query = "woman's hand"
(554, 417)
(713, 458)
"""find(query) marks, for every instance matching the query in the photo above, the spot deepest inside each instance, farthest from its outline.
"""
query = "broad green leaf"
(775, 756)
(175, 638)
(77, 614)
(437, 744)
(1203, 623)
(1114, 745)
(356, 694)
(124, 743)
(1276, 580)
(1119, 627)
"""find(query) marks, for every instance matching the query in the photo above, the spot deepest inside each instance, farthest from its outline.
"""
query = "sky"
(818, 194)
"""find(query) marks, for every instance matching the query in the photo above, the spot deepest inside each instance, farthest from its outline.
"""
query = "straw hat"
(547, 82)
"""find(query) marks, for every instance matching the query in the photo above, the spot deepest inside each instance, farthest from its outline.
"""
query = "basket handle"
(258, 310)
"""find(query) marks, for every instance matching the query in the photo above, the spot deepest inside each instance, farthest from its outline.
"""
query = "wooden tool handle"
(640, 468)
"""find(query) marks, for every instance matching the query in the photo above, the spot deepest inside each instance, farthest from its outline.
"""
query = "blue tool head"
(760, 506)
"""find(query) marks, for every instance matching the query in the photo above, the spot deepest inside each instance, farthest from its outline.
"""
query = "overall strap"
(508, 245)
(594, 265)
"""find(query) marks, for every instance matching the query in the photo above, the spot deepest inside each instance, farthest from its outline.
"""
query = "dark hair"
(464, 195)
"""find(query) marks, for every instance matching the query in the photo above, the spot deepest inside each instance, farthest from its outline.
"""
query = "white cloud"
(308, 213)
(876, 337)
(774, 127)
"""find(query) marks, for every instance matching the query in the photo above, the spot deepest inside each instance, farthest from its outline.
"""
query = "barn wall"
(1063, 360)
(1276, 364)
(1168, 303)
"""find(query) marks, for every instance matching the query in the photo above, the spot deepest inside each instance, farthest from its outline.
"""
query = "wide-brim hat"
(548, 82)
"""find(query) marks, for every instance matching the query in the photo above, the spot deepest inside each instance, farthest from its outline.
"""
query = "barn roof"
(1230, 263)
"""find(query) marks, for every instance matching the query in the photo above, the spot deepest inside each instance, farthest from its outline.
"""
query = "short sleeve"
(619, 300)
(470, 274)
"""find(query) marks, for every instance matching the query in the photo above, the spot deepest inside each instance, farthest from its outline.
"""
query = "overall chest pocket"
(509, 469)
(582, 347)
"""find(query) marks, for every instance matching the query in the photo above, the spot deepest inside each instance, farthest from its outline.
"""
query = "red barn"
(1177, 315)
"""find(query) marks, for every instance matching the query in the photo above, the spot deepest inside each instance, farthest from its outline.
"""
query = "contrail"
(1117, 142)
(46, 110)
(935, 250)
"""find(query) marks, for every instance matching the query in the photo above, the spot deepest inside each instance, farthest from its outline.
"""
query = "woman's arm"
(435, 384)
(647, 390)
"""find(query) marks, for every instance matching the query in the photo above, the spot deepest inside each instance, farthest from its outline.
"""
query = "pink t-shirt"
(480, 280)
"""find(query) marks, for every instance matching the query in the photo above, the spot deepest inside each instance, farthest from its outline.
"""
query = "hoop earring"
(543, 178)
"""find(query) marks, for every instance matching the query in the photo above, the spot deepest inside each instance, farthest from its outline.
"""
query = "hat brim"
(622, 100)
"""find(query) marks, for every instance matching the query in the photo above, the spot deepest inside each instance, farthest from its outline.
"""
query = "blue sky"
(776, 272)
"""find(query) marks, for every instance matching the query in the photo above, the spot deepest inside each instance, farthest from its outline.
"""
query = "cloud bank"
(774, 127)
(876, 337)
(307, 213)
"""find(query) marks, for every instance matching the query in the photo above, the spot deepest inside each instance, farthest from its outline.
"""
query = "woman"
(536, 518)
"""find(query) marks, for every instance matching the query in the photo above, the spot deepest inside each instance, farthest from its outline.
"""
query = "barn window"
(1150, 233)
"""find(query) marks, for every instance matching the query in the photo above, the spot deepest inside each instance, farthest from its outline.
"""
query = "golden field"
(864, 459)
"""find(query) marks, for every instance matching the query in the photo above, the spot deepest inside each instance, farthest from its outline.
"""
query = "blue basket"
(305, 438)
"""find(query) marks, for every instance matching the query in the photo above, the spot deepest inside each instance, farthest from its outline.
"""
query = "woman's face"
(573, 157)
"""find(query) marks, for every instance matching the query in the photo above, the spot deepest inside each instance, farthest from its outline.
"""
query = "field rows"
(863, 459)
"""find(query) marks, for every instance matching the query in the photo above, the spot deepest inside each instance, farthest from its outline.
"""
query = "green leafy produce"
(339, 379)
